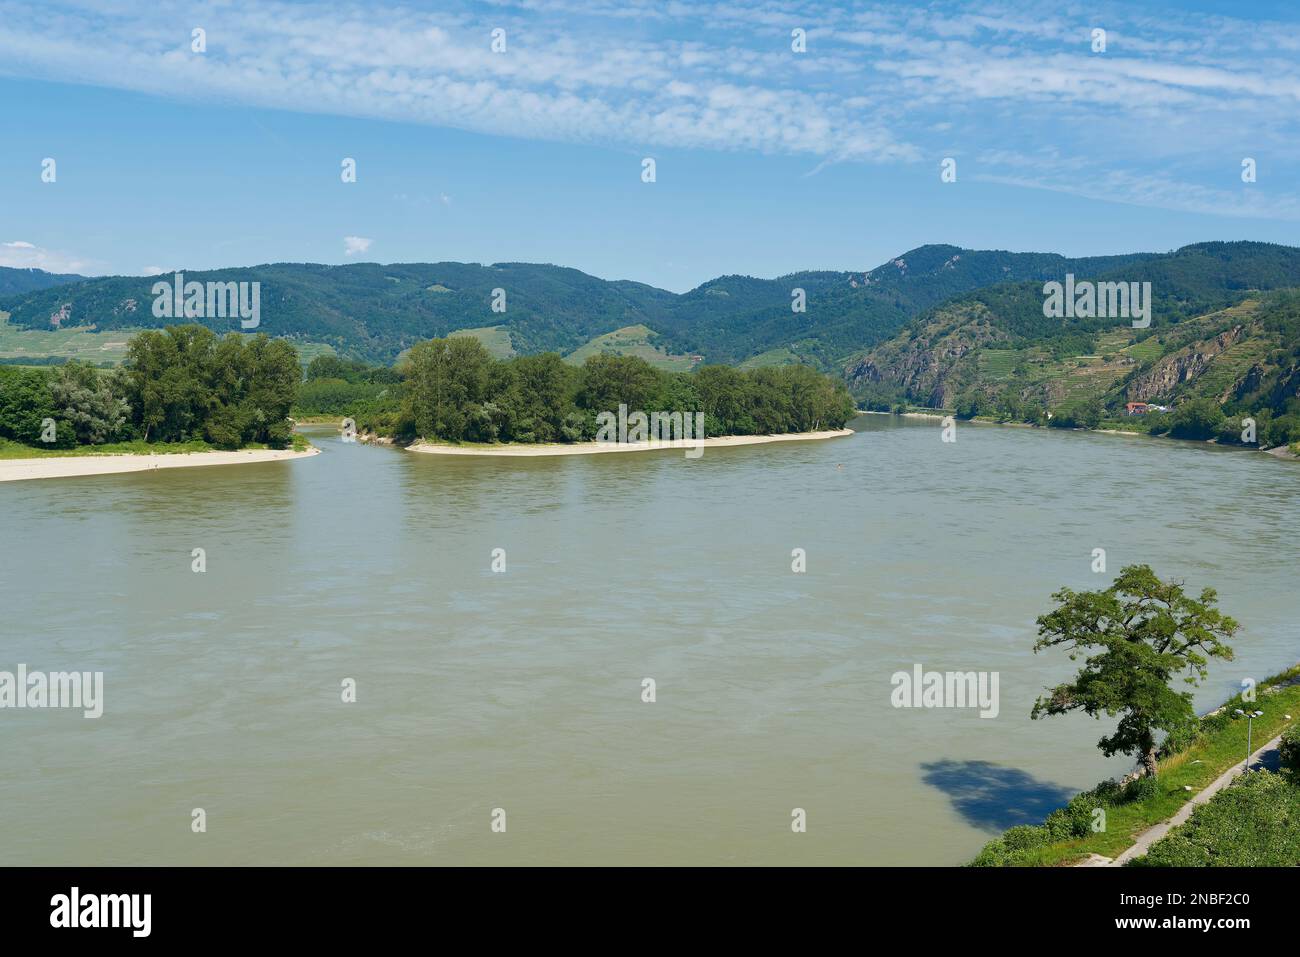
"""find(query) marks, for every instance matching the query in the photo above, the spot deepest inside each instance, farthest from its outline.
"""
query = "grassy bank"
(1220, 742)
(1253, 822)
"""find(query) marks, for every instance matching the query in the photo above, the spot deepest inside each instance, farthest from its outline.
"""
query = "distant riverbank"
(15, 470)
(1289, 453)
(594, 448)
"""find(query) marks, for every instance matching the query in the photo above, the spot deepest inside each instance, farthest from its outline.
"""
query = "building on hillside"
(1136, 408)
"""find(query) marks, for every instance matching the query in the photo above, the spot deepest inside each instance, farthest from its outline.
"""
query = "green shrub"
(972, 404)
(1075, 819)
(1079, 415)
(334, 396)
(1180, 739)
(1216, 723)
(1289, 748)
(1196, 419)
(1005, 850)
(1140, 789)
(1282, 431)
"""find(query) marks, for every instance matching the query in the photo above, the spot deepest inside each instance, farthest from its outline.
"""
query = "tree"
(1137, 636)
(185, 383)
(1195, 419)
(609, 381)
(1083, 414)
(540, 390)
(25, 402)
(1010, 407)
(167, 381)
(453, 389)
(329, 367)
(771, 397)
(724, 400)
(270, 374)
(971, 404)
(445, 377)
(1284, 430)
(85, 399)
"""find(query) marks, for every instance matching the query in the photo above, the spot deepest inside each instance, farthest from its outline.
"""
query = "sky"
(767, 159)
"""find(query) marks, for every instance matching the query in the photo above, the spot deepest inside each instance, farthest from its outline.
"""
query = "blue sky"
(767, 160)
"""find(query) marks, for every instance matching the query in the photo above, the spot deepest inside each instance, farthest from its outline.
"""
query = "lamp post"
(1250, 717)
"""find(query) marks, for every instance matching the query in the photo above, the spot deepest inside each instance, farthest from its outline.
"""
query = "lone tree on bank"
(1135, 637)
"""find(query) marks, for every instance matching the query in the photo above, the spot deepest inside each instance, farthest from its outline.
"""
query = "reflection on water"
(522, 690)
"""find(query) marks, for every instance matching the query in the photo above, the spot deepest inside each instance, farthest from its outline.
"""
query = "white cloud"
(881, 82)
(554, 82)
(20, 254)
(355, 245)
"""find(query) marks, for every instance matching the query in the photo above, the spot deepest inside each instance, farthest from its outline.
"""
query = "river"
(522, 689)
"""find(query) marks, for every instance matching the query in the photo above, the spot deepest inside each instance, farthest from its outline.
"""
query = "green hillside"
(1224, 343)
(18, 345)
(911, 327)
(374, 312)
(19, 281)
(495, 339)
(735, 318)
(638, 340)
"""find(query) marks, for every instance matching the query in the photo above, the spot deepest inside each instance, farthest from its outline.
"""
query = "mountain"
(374, 311)
(735, 318)
(1217, 330)
(18, 281)
(942, 299)
(368, 310)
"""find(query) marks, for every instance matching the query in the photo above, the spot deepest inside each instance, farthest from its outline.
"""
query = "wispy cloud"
(355, 245)
(880, 83)
(20, 254)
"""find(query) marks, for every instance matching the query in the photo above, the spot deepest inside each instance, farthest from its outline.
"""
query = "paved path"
(1266, 756)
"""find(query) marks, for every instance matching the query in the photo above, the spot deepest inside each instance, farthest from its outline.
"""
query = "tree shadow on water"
(993, 797)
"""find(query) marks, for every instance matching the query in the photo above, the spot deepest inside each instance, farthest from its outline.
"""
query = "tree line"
(454, 390)
(1200, 418)
(179, 384)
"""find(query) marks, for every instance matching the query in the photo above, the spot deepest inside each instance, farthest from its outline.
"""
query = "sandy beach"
(594, 448)
(15, 470)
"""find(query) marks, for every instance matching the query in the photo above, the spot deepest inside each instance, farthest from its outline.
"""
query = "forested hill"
(372, 311)
(18, 281)
(735, 318)
(1221, 327)
(368, 310)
